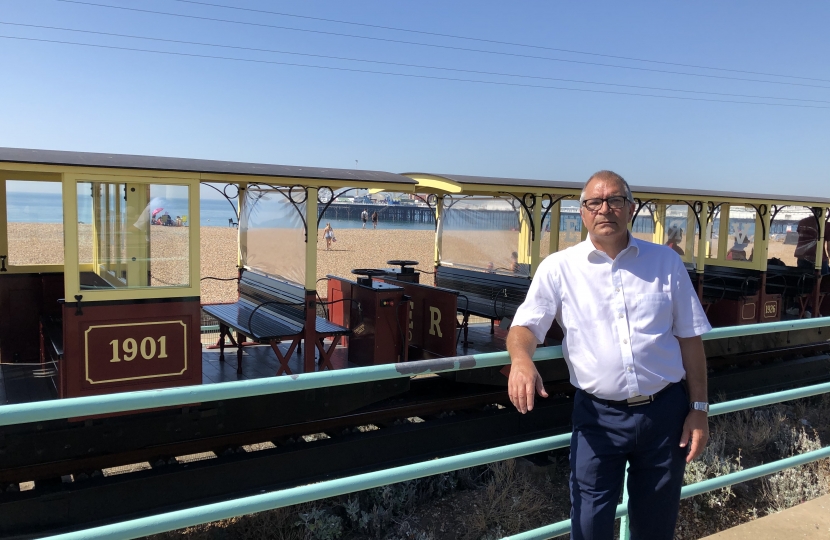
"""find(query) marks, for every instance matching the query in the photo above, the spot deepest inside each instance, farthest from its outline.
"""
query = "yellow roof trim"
(437, 183)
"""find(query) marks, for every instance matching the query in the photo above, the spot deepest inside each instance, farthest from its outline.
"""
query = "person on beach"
(364, 217)
(374, 220)
(514, 262)
(632, 323)
(805, 250)
(675, 236)
(328, 234)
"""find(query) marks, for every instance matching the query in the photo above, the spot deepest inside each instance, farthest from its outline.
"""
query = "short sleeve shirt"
(621, 318)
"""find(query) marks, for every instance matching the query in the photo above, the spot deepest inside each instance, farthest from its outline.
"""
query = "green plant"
(712, 463)
(794, 486)
(321, 524)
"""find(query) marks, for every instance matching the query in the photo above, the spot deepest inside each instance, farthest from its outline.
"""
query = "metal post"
(625, 532)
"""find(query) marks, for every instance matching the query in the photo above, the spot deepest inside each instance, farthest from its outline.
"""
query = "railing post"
(625, 533)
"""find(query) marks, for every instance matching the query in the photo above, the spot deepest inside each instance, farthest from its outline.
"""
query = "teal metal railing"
(33, 412)
(169, 397)
(332, 488)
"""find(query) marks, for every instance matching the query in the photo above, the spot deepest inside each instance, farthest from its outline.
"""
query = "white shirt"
(620, 317)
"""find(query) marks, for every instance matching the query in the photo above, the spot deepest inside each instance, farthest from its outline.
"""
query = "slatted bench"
(725, 283)
(484, 294)
(51, 334)
(269, 311)
(794, 284)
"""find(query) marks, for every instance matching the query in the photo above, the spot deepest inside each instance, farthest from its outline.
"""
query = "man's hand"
(524, 380)
(696, 428)
(522, 385)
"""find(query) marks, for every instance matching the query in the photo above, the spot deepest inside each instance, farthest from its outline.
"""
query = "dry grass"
(510, 500)
(279, 524)
(512, 496)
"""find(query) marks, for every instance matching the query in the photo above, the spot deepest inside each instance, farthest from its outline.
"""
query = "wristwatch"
(699, 406)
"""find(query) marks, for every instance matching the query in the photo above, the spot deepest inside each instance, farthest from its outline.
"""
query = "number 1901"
(131, 349)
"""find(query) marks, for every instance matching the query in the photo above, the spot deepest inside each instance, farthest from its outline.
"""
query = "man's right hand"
(522, 385)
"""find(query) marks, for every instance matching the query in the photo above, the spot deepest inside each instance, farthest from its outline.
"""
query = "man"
(805, 251)
(632, 325)
(364, 216)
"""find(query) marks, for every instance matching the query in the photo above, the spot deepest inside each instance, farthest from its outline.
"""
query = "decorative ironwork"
(640, 205)
(712, 209)
(293, 196)
(334, 197)
(528, 207)
(223, 192)
(762, 210)
(697, 208)
(551, 203)
(431, 201)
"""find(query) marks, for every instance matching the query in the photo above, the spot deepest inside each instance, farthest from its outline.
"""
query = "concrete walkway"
(810, 520)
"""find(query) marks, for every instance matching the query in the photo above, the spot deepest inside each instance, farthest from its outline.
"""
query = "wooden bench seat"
(51, 332)
(488, 295)
(724, 283)
(268, 311)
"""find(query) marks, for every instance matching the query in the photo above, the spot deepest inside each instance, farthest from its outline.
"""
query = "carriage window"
(713, 233)
(133, 235)
(679, 230)
(741, 241)
(793, 238)
(34, 216)
(488, 234)
(570, 225)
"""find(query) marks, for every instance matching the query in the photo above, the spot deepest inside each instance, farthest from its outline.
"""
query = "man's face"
(606, 222)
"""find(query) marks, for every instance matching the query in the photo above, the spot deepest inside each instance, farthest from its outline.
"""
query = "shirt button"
(617, 289)
(621, 315)
(625, 342)
(629, 369)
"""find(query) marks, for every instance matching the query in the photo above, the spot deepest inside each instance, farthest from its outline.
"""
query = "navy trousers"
(647, 437)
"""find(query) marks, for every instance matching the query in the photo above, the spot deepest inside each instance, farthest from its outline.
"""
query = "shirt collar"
(633, 246)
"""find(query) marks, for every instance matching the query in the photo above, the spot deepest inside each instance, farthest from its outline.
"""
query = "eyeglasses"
(614, 203)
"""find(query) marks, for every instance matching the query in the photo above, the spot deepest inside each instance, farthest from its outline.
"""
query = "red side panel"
(120, 347)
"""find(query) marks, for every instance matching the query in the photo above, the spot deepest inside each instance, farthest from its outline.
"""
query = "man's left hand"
(696, 429)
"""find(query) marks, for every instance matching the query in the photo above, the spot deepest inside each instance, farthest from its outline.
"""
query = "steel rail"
(258, 503)
(171, 397)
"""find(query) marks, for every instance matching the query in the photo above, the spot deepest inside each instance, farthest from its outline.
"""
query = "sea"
(26, 207)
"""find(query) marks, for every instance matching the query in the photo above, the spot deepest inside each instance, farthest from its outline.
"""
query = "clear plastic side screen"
(272, 223)
(133, 235)
(34, 214)
(713, 232)
(483, 233)
(644, 223)
(793, 238)
(680, 230)
(544, 241)
(570, 224)
(741, 241)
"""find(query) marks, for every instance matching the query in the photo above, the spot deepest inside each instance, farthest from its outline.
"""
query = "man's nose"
(604, 208)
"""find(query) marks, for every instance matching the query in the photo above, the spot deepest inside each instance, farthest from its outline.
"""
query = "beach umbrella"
(156, 211)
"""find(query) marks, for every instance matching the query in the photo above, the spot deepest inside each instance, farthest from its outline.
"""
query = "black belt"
(631, 402)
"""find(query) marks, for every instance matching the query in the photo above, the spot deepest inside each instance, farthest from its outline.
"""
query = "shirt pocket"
(653, 313)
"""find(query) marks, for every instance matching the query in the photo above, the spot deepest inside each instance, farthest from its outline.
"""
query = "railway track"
(58, 476)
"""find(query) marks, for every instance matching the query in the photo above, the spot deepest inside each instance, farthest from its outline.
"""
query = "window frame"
(72, 266)
(6, 175)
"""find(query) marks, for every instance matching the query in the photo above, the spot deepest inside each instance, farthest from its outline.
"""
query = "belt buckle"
(639, 400)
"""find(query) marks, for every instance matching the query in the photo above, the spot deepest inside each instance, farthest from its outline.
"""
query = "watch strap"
(699, 406)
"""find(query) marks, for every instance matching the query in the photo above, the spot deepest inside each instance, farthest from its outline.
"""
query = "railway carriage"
(115, 306)
(111, 302)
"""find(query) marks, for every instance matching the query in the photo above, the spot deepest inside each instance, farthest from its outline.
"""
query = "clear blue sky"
(66, 97)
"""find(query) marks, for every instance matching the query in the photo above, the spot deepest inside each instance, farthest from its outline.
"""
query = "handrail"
(170, 397)
(257, 503)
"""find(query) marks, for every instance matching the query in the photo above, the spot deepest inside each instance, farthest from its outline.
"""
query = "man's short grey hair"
(608, 176)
